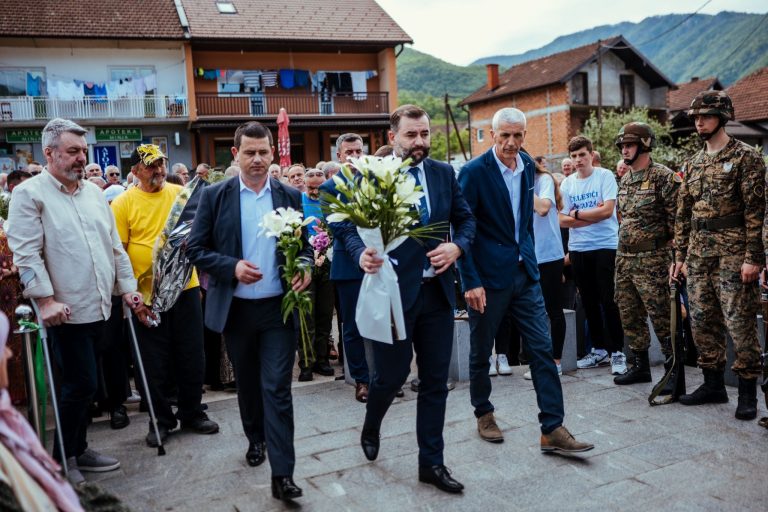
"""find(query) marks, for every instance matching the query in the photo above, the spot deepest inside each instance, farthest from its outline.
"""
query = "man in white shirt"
(589, 210)
(71, 260)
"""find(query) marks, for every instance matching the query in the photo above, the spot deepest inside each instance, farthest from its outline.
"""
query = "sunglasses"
(310, 174)
(35, 173)
(114, 174)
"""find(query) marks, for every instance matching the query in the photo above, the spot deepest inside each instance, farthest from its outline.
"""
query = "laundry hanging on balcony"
(34, 85)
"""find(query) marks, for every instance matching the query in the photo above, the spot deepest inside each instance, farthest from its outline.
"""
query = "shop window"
(22, 81)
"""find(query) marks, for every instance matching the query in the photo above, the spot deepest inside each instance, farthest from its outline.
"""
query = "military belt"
(717, 224)
(644, 246)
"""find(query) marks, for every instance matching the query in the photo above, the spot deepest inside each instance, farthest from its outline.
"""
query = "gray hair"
(347, 137)
(55, 127)
(232, 171)
(177, 166)
(508, 115)
(111, 168)
(330, 166)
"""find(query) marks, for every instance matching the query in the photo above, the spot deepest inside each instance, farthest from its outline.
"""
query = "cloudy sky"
(460, 31)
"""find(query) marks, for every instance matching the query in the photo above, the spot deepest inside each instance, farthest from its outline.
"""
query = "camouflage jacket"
(731, 182)
(647, 201)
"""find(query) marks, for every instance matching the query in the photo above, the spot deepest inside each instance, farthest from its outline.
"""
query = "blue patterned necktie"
(423, 211)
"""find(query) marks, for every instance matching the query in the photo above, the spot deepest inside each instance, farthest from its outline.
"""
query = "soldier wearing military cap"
(647, 200)
(720, 214)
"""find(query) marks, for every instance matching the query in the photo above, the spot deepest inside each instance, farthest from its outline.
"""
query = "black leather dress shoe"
(119, 418)
(284, 488)
(256, 454)
(369, 440)
(439, 476)
(305, 375)
(323, 368)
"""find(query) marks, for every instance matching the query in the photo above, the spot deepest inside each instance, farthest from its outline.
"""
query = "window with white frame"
(22, 81)
(480, 135)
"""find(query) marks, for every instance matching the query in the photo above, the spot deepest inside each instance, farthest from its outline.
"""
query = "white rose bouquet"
(286, 225)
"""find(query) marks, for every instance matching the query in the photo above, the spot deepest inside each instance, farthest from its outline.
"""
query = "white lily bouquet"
(286, 225)
(382, 202)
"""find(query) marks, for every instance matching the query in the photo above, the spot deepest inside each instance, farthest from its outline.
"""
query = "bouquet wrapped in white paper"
(382, 202)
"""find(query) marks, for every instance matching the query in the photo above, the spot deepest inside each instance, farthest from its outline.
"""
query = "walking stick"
(148, 397)
(54, 400)
(26, 328)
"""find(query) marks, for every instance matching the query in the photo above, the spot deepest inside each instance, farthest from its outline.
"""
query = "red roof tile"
(104, 19)
(293, 20)
(680, 98)
(750, 96)
(539, 72)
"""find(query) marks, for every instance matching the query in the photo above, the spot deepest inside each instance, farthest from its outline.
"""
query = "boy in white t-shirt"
(589, 210)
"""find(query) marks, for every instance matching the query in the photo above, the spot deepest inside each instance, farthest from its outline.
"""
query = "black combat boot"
(669, 387)
(711, 392)
(640, 371)
(747, 408)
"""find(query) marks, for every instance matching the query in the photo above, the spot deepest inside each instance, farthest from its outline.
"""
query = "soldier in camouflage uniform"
(720, 214)
(647, 201)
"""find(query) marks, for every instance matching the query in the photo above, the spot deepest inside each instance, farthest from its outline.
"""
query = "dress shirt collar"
(519, 165)
(267, 187)
(46, 175)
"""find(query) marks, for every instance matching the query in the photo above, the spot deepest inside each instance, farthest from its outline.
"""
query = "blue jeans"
(525, 300)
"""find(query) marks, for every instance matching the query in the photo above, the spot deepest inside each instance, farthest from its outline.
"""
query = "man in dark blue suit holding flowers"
(428, 298)
(500, 273)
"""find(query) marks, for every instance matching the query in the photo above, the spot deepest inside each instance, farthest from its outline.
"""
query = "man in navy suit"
(347, 277)
(500, 273)
(244, 298)
(428, 298)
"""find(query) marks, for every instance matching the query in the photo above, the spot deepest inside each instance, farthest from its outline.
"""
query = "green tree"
(438, 149)
(603, 138)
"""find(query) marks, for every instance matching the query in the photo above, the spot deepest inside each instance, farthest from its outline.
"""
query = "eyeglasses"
(114, 174)
(311, 174)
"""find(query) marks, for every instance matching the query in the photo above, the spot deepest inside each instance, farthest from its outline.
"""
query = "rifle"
(678, 354)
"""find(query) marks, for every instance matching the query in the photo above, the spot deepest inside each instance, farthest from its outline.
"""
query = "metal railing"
(30, 108)
(268, 105)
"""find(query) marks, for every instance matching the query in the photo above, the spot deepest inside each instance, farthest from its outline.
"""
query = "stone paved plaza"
(663, 458)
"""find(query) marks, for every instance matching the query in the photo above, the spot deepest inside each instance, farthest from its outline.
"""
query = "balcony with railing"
(33, 108)
(311, 104)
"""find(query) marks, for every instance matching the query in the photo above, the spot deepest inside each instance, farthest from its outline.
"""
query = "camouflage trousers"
(721, 303)
(642, 290)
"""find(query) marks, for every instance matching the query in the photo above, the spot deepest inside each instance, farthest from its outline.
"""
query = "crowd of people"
(518, 245)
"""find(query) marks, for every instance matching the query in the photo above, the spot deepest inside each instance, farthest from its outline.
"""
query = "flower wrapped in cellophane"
(382, 201)
(171, 269)
(286, 225)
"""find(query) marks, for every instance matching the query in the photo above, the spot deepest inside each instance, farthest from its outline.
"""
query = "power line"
(738, 47)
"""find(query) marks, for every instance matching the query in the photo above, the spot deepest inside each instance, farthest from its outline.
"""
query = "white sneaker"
(492, 371)
(592, 360)
(527, 375)
(504, 368)
(618, 363)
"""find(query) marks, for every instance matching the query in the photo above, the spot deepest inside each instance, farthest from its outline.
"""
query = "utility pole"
(599, 82)
(447, 130)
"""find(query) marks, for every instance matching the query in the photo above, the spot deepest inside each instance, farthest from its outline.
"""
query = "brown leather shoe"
(560, 440)
(361, 392)
(488, 429)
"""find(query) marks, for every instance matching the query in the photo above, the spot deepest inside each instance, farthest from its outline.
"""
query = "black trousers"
(74, 352)
(175, 349)
(212, 343)
(113, 365)
(429, 331)
(320, 322)
(263, 349)
(594, 272)
(551, 280)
